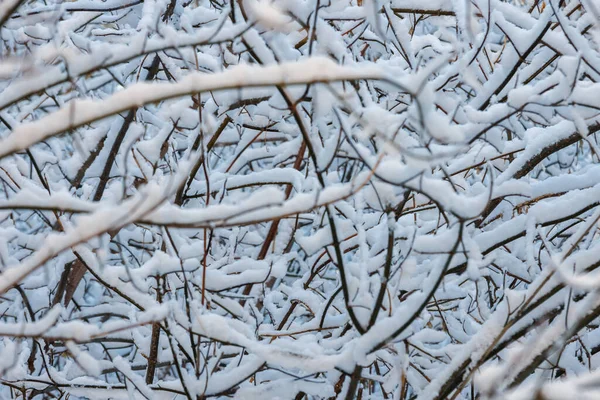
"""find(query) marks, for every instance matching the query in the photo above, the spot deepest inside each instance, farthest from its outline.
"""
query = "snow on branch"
(299, 199)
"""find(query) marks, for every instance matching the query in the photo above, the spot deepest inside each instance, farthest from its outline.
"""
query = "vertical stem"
(204, 268)
(153, 356)
(351, 393)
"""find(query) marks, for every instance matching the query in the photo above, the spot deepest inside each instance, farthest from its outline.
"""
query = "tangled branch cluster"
(299, 199)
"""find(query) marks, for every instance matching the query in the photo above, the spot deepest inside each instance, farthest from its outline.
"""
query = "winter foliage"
(299, 199)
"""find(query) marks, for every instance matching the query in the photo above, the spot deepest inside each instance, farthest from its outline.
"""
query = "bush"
(299, 199)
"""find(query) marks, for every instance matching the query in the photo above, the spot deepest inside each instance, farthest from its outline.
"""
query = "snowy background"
(299, 199)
